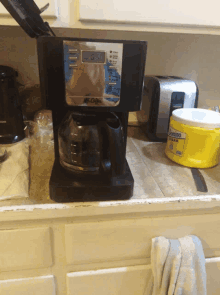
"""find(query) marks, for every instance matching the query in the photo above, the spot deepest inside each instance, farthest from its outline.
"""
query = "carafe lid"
(27, 15)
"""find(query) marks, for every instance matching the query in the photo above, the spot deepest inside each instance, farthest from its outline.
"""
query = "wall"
(192, 56)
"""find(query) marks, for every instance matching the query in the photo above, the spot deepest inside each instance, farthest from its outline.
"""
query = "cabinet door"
(213, 276)
(28, 286)
(29, 248)
(169, 12)
(130, 280)
(118, 281)
(51, 12)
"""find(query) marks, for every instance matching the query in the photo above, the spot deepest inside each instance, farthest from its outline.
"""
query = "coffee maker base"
(66, 187)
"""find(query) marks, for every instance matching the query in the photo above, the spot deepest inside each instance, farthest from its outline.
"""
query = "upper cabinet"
(50, 12)
(166, 12)
(56, 14)
(189, 16)
(176, 16)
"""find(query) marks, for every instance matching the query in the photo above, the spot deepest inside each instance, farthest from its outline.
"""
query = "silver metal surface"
(167, 87)
(92, 73)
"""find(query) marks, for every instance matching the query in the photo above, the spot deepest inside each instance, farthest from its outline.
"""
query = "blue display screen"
(93, 56)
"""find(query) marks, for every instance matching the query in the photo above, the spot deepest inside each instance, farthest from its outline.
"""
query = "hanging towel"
(178, 267)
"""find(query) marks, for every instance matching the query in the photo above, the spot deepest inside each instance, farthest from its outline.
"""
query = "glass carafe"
(92, 143)
(79, 145)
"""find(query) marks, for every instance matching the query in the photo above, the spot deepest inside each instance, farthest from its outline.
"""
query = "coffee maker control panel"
(92, 73)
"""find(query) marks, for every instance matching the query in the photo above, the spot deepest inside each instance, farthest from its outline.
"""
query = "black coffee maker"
(90, 85)
(11, 118)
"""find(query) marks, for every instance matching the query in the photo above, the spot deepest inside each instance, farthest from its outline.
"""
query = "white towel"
(178, 267)
(14, 171)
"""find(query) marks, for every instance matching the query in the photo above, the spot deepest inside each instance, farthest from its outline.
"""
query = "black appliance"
(162, 95)
(11, 119)
(90, 85)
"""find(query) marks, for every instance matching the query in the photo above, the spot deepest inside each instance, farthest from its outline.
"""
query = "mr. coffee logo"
(176, 134)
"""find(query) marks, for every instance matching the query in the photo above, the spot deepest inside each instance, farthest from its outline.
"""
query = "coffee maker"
(90, 85)
(11, 118)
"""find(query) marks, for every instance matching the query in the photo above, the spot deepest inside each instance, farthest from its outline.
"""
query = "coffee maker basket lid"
(27, 15)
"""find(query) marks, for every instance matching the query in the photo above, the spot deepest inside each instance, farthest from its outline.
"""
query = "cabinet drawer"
(25, 249)
(27, 286)
(129, 280)
(213, 276)
(131, 239)
(124, 280)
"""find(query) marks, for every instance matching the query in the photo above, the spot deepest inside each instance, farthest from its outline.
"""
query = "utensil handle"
(199, 180)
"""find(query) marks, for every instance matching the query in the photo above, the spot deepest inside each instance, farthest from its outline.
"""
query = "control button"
(72, 50)
(72, 65)
(73, 57)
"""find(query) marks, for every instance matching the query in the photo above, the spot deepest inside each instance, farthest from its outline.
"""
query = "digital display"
(93, 57)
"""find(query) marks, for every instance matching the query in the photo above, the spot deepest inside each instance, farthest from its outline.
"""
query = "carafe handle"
(111, 146)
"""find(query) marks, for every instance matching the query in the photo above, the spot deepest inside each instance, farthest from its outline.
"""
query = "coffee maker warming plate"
(92, 73)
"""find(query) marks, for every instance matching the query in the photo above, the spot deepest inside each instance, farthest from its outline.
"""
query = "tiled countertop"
(155, 175)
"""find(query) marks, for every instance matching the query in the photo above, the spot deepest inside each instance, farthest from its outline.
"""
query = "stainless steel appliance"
(90, 85)
(162, 95)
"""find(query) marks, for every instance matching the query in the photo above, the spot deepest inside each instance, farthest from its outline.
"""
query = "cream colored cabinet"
(98, 248)
(130, 280)
(25, 249)
(26, 286)
(213, 276)
(56, 14)
(114, 281)
(167, 12)
(50, 12)
(190, 16)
